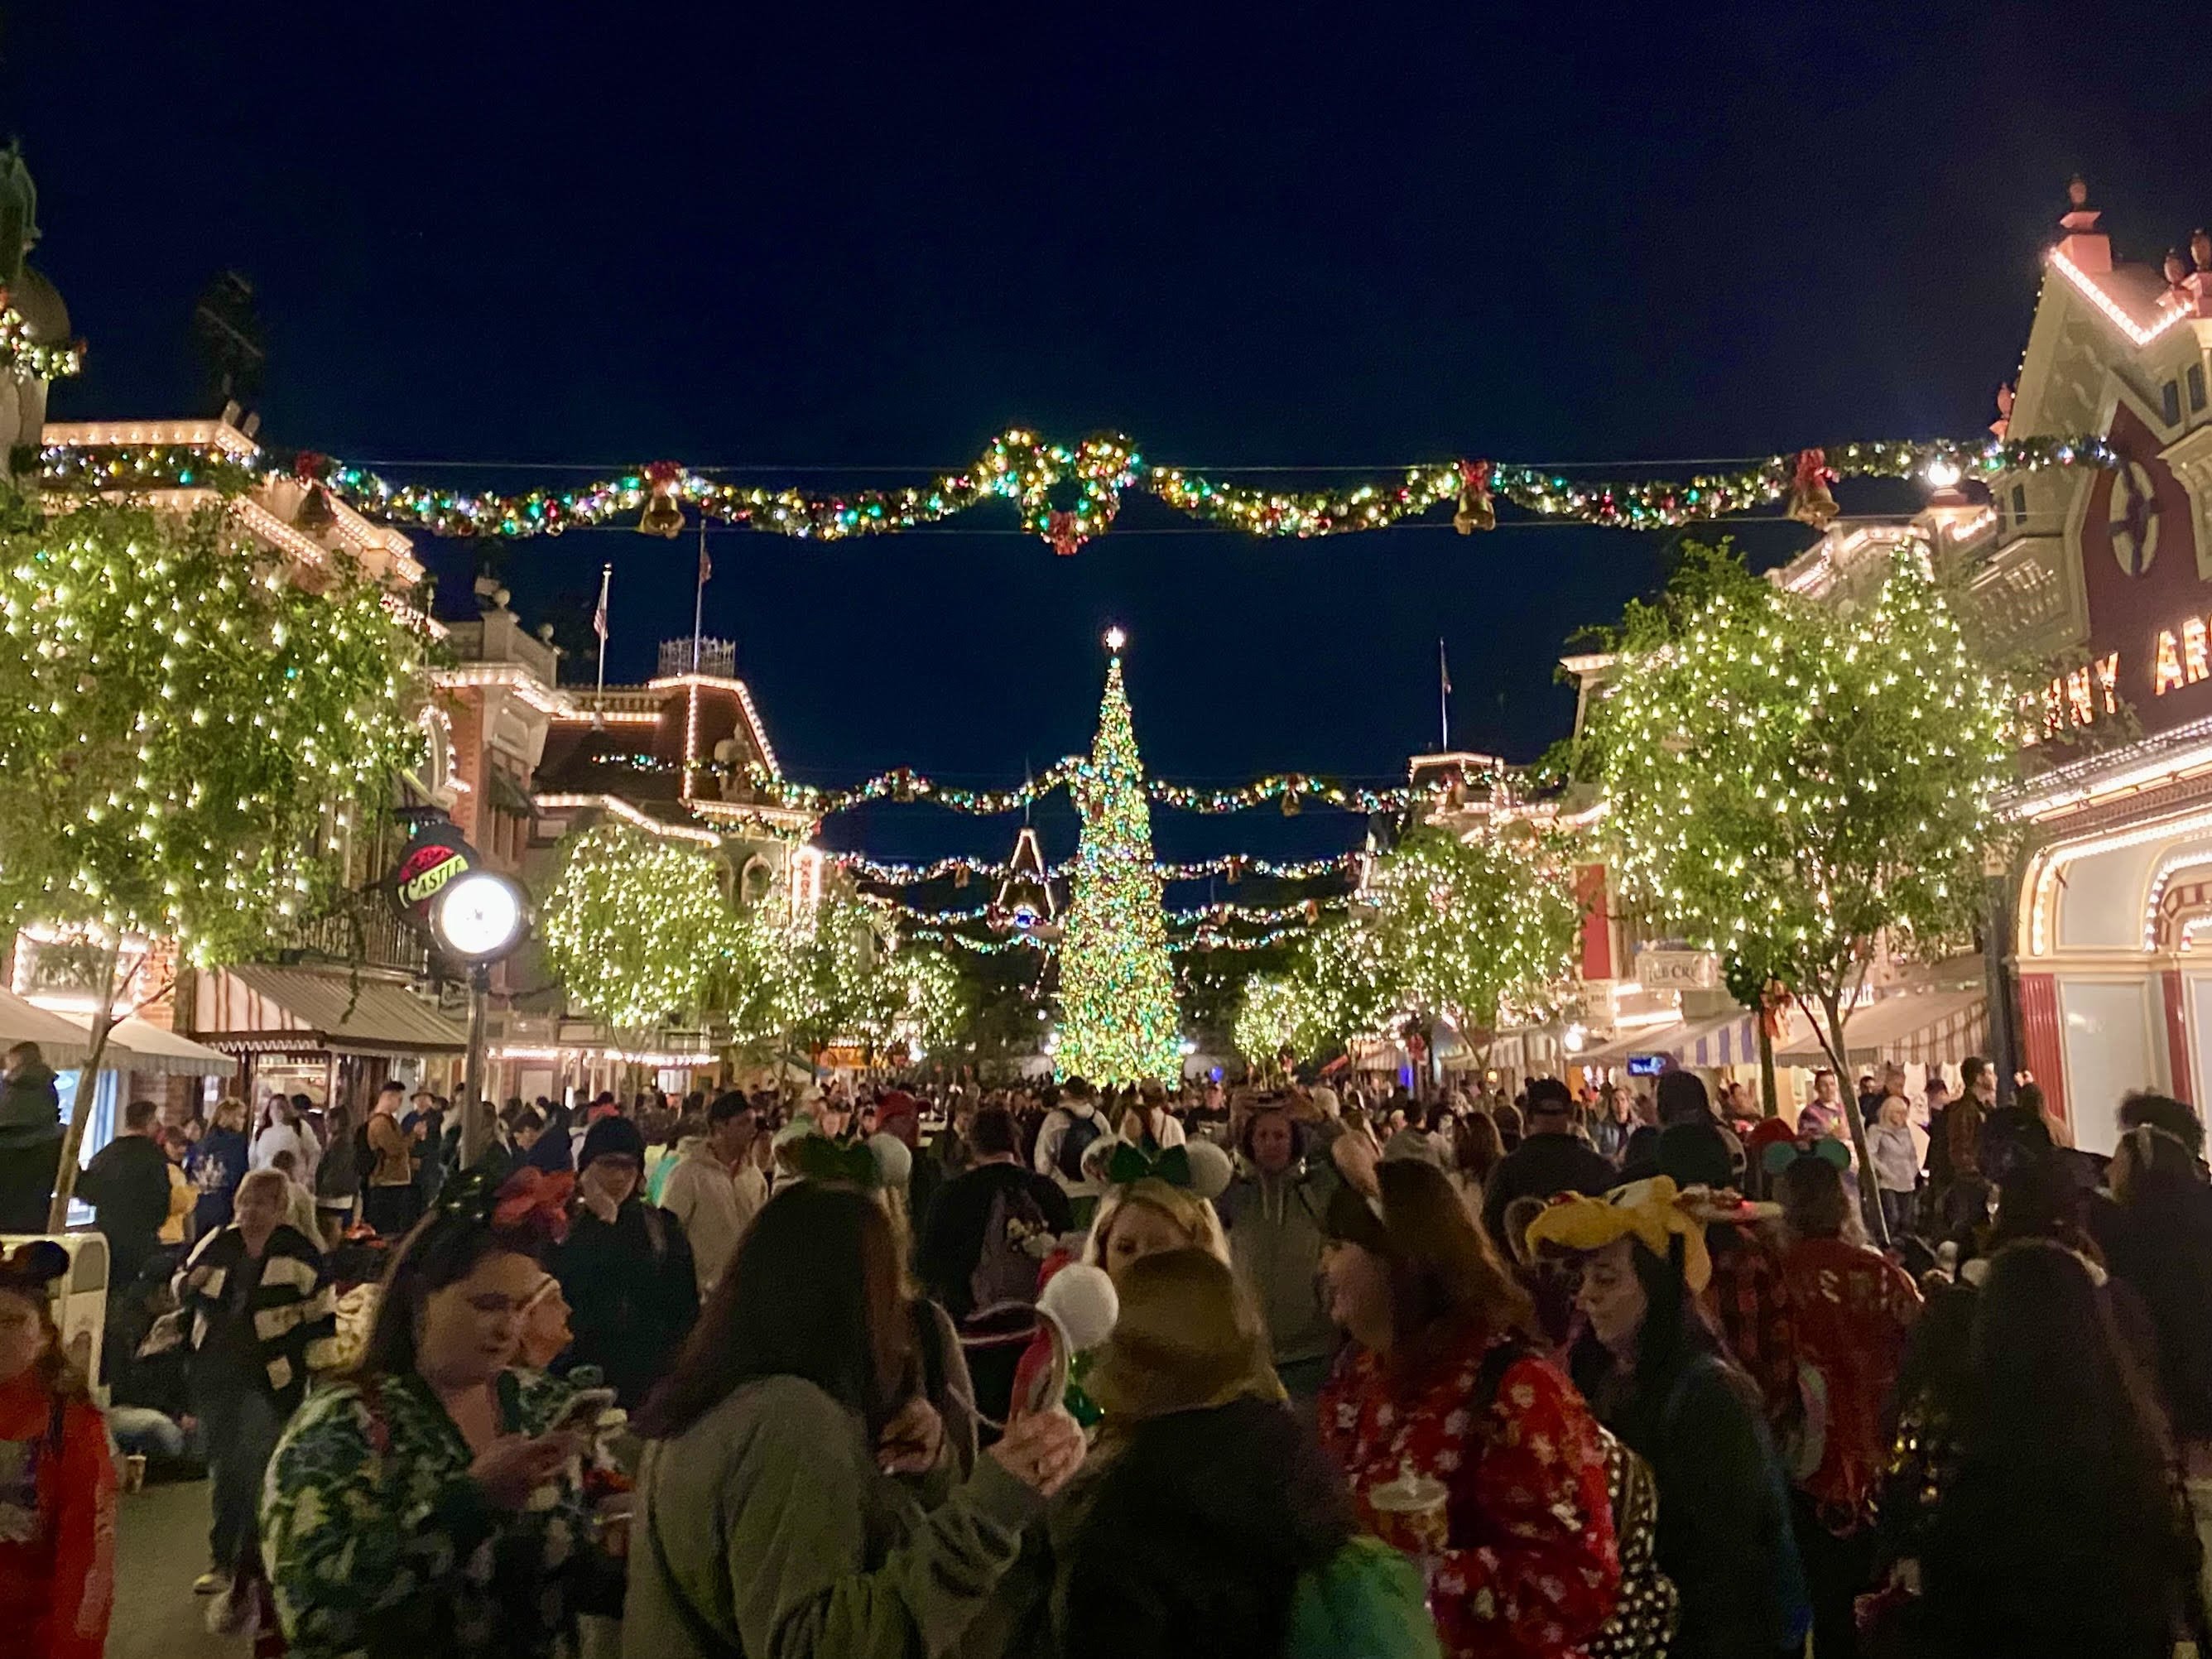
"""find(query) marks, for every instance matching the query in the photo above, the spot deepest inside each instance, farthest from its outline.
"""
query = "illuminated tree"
(1469, 926)
(188, 739)
(1785, 782)
(1269, 1019)
(1345, 987)
(1118, 1022)
(636, 927)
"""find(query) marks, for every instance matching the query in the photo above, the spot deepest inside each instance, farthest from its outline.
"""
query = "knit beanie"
(611, 1137)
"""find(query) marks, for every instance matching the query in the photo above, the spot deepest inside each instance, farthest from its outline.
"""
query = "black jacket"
(952, 1235)
(1538, 1167)
(632, 1296)
(127, 1184)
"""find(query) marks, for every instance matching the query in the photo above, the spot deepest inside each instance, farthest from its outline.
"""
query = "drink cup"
(1410, 1511)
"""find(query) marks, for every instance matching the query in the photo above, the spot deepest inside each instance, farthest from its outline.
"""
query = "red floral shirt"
(1530, 1567)
(1851, 1309)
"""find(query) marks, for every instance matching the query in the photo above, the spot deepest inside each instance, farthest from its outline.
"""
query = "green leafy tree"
(189, 737)
(1786, 783)
(1118, 1022)
(636, 927)
(1473, 925)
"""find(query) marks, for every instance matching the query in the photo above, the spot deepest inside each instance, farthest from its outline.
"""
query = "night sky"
(862, 243)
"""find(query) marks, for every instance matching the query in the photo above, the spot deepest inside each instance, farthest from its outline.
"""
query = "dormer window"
(2197, 388)
(2169, 396)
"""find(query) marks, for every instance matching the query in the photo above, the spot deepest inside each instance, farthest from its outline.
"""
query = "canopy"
(1730, 1039)
(1925, 1028)
(254, 1008)
(63, 1043)
(138, 1045)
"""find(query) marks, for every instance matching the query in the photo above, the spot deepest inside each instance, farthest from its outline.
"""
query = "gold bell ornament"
(664, 513)
(1810, 501)
(1476, 509)
(314, 514)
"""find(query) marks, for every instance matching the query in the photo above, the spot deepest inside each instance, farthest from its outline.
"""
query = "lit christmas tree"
(1117, 1008)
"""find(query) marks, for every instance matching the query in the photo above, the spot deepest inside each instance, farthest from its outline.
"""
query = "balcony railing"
(378, 939)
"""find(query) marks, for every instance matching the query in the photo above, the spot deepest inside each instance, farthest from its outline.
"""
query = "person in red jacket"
(1443, 1391)
(56, 1482)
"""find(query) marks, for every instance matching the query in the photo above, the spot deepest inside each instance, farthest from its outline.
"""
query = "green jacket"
(766, 1529)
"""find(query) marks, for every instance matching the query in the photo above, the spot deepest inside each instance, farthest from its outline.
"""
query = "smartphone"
(582, 1414)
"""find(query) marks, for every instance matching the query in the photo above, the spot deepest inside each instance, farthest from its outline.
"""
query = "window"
(2170, 400)
(2020, 507)
(2196, 387)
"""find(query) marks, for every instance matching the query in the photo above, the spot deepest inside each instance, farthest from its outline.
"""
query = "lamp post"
(479, 919)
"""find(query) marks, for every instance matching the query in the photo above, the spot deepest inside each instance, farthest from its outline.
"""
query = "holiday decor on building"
(1117, 1008)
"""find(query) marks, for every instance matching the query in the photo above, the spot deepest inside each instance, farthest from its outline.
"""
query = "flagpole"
(599, 626)
(1443, 697)
(699, 597)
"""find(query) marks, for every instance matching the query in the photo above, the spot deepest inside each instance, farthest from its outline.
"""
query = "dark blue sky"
(851, 238)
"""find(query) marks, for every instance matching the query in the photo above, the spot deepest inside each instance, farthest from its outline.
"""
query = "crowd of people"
(1266, 1370)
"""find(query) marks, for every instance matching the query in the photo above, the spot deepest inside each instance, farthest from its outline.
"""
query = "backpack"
(1082, 1134)
(1015, 1237)
(1647, 1606)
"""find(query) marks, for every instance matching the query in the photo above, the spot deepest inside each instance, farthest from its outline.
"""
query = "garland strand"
(1235, 866)
(1032, 472)
(902, 783)
(27, 359)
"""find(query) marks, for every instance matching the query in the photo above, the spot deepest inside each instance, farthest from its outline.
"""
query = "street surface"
(160, 1547)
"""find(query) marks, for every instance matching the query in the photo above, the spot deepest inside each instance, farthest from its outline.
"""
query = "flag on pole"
(600, 615)
(706, 565)
(1444, 669)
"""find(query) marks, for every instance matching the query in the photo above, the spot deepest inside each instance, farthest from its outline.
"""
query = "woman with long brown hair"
(1443, 1401)
(799, 1497)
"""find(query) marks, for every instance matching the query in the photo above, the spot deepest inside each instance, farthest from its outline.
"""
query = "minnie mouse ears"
(1783, 1153)
(32, 1267)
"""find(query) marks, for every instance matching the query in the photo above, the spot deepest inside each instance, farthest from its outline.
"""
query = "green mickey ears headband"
(1783, 1153)
(1131, 1163)
(817, 1157)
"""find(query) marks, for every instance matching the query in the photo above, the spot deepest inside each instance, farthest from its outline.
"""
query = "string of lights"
(1233, 867)
(27, 359)
(1291, 790)
(1068, 494)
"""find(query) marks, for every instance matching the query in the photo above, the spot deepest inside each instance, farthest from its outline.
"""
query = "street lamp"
(479, 919)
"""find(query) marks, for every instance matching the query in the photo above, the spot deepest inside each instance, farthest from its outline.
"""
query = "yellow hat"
(1650, 1211)
(1187, 1337)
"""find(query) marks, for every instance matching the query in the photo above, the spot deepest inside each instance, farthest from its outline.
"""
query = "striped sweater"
(295, 1320)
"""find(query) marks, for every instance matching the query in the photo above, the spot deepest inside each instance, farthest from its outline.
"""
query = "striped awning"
(258, 1009)
(1926, 1028)
(1717, 1040)
(141, 1046)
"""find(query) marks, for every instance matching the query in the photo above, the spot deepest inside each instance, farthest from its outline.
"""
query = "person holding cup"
(1462, 1446)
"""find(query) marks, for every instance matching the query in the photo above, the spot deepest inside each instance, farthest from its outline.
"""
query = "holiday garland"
(960, 870)
(1091, 478)
(27, 359)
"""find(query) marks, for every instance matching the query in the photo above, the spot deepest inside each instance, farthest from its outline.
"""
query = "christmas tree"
(1117, 1008)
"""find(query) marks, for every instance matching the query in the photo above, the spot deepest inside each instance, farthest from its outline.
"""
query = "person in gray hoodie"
(1273, 1213)
(799, 1495)
(30, 1140)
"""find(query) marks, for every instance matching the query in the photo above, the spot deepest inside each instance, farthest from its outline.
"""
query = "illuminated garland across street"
(1027, 470)
(1234, 867)
(1201, 916)
(903, 783)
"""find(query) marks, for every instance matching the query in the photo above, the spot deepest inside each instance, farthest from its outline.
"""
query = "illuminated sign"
(431, 860)
(2079, 698)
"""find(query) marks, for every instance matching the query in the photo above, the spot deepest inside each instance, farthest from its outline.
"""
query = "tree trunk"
(1769, 1106)
(88, 1090)
(1869, 1195)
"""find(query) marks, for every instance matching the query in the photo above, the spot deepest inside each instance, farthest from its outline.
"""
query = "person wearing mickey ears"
(1657, 1374)
(1851, 1311)
(57, 1479)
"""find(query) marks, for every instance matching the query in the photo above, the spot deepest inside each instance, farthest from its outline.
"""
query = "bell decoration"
(1290, 807)
(960, 876)
(1061, 532)
(314, 514)
(1810, 499)
(1476, 510)
(664, 513)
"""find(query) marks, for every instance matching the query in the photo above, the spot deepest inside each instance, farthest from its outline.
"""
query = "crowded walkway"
(900, 1367)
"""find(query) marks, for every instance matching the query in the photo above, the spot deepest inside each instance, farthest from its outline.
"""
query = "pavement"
(160, 1547)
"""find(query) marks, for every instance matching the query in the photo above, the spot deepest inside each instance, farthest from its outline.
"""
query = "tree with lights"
(1471, 926)
(1786, 784)
(1268, 1020)
(189, 740)
(1344, 987)
(636, 927)
(1118, 1022)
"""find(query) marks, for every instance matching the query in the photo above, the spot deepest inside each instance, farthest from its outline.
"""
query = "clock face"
(479, 915)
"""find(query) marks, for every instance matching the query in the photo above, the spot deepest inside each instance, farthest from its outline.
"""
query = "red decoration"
(311, 466)
(532, 1200)
(1060, 532)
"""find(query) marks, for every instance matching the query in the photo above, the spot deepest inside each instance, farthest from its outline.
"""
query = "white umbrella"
(64, 1044)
